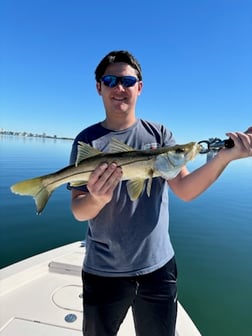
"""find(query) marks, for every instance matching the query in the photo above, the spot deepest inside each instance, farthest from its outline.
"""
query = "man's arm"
(187, 185)
(101, 185)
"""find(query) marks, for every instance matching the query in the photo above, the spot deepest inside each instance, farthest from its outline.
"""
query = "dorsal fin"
(85, 151)
(116, 146)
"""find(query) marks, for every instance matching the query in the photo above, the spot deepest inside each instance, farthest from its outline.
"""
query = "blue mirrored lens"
(128, 81)
(112, 81)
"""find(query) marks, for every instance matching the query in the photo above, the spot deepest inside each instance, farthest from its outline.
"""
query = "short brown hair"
(116, 57)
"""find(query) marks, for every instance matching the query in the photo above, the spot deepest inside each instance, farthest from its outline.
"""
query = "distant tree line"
(29, 134)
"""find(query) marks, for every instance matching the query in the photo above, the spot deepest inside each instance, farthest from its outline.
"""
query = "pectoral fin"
(135, 187)
(149, 183)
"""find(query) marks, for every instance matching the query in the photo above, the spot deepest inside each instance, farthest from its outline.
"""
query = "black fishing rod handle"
(228, 143)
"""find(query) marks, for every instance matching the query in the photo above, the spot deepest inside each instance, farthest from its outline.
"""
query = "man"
(129, 257)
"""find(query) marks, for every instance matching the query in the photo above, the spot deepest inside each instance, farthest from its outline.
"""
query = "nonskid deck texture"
(42, 296)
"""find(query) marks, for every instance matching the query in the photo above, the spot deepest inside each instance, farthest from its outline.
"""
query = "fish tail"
(34, 187)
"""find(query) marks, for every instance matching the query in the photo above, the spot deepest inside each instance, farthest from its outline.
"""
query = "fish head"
(169, 163)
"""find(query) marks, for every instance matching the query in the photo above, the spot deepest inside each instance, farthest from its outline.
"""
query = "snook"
(137, 165)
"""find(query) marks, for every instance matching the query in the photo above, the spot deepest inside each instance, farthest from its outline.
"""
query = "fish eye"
(179, 150)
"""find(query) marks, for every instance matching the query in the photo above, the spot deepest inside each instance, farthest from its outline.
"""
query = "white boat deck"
(42, 296)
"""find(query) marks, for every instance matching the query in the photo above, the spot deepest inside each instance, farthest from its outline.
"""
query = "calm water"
(212, 235)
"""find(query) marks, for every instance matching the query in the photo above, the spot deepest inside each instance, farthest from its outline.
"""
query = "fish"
(138, 166)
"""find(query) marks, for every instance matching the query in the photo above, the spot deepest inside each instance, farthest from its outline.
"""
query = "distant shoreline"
(31, 135)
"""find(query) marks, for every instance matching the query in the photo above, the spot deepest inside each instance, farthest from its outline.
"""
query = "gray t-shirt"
(129, 238)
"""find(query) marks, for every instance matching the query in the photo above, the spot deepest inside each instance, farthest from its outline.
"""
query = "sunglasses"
(112, 81)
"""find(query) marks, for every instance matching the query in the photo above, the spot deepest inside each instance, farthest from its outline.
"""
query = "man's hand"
(103, 181)
(242, 143)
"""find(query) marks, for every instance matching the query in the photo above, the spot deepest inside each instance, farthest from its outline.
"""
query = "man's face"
(119, 99)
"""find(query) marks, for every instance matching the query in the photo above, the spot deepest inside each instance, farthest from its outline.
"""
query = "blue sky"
(196, 57)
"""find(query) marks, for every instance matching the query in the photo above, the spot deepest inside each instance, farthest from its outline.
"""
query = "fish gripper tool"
(214, 145)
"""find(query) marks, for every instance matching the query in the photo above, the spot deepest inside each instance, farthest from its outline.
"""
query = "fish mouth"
(190, 155)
